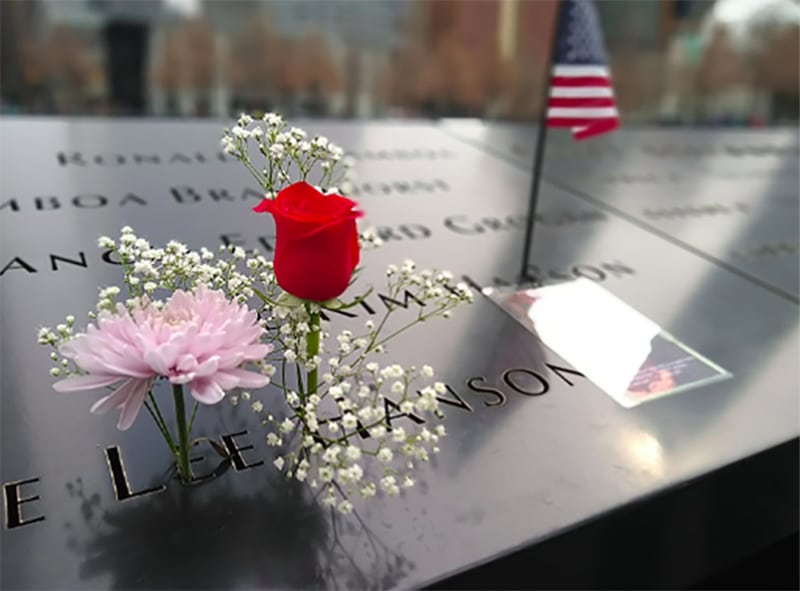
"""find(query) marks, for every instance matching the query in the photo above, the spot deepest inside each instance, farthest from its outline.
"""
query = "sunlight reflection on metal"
(645, 450)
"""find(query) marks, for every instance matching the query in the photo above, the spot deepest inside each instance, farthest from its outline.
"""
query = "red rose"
(316, 245)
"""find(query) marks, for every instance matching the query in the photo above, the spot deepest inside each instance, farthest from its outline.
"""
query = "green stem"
(191, 420)
(421, 318)
(182, 455)
(244, 159)
(312, 350)
(159, 419)
(161, 427)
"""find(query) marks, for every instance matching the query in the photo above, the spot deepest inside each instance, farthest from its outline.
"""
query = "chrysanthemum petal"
(90, 382)
(162, 358)
(208, 367)
(115, 399)
(134, 404)
(206, 391)
(248, 379)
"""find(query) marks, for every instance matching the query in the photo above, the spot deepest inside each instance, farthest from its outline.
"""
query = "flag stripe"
(582, 102)
(569, 92)
(588, 113)
(583, 81)
(583, 133)
(581, 96)
(574, 121)
(580, 71)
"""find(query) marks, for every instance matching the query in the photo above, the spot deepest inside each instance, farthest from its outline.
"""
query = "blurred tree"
(200, 51)
(69, 69)
(400, 84)
(321, 78)
(288, 77)
(721, 66)
(254, 66)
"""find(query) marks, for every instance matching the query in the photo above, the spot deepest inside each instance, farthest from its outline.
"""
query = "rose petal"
(267, 205)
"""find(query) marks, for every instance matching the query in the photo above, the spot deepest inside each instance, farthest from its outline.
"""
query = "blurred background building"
(731, 62)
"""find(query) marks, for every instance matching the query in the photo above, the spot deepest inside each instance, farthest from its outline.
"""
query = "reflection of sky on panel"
(731, 191)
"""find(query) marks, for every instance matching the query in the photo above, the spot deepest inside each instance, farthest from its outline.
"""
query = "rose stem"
(312, 350)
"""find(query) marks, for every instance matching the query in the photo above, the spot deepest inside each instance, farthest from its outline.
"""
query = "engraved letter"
(456, 401)
(452, 223)
(54, 258)
(132, 197)
(184, 194)
(557, 370)
(89, 201)
(387, 301)
(414, 231)
(119, 480)
(142, 158)
(74, 158)
(13, 502)
(234, 239)
(262, 240)
(106, 256)
(220, 195)
(112, 158)
(518, 388)
(500, 397)
(39, 202)
(390, 405)
(234, 450)
(20, 264)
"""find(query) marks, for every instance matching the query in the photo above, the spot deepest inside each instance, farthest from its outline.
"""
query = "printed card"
(620, 350)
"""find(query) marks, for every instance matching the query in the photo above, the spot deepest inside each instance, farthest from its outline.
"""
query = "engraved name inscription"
(476, 390)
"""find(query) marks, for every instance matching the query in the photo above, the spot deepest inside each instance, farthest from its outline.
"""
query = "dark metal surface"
(729, 194)
(516, 468)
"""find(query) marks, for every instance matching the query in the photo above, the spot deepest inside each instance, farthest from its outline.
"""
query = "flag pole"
(538, 157)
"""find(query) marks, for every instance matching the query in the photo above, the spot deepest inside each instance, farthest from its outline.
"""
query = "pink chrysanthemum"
(200, 339)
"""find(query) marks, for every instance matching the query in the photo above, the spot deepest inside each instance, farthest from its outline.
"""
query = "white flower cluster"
(428, 286)
(62, 367)
(289, 155)
(357, 409)
(369, 240)
(148, 270)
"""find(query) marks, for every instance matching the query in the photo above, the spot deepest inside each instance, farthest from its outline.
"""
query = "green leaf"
(334, 304)
(219, 449)
(263, 296)
(355, 302)
(288, 300)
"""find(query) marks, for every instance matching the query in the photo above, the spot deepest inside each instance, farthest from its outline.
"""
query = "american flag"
(581, 96)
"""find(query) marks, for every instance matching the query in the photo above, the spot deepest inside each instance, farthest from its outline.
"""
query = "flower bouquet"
(231, 322)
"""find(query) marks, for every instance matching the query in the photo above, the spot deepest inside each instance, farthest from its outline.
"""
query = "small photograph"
(671, 367)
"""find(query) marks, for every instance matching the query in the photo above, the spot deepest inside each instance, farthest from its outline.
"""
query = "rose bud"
(316, 245)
